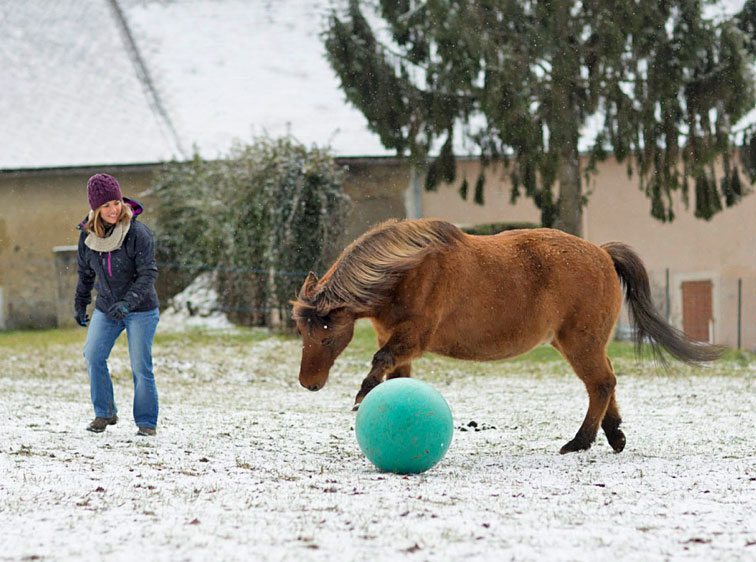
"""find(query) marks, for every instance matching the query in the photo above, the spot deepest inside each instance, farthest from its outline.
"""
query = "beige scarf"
(111, 242)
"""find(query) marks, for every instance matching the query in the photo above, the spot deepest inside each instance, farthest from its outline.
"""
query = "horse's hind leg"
(594, 369)
(611, 422)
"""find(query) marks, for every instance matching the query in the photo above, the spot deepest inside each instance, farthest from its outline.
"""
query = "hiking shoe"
(147, 431)
(98, 424)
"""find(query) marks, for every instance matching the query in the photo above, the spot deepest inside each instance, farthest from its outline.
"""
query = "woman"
(117, 257)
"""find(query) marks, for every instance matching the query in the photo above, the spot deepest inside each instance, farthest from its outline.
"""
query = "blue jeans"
(101, 337)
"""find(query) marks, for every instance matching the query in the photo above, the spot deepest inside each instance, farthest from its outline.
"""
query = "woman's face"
(110, 211)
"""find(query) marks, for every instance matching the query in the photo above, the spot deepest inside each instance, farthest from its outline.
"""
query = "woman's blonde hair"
(97, 225)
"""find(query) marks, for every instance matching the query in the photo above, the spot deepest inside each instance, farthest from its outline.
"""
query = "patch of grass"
(740, 356)
(199, 336)
(244, 464)
(622, 354)
(364, 342)
(42, 339)
(23, 450)
(362, 347)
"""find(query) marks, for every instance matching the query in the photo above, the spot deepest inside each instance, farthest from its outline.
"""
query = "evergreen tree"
(519, 80)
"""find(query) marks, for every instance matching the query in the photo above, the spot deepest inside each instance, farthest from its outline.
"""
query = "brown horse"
(427, 286)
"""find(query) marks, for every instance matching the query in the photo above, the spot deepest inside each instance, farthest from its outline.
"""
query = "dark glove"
(80, 314)
(118, 311)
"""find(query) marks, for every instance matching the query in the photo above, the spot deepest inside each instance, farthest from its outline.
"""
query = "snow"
(197, 306)
(247, 465)
(253, 68)
(70, 96)
(224, 70)
(723, 9)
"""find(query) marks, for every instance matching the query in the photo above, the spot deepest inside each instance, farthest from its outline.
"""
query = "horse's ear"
(308, 287)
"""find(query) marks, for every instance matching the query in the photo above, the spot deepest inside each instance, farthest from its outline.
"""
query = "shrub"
(496, 227)
(262, 217)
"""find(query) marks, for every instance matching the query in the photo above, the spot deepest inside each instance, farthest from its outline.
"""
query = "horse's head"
(325, 334)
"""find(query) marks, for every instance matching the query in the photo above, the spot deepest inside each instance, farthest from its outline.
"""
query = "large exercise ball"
(404, 426)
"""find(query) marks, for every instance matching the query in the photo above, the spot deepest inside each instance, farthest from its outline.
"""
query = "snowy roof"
(93, 82)
(69, 93)
(74, 93)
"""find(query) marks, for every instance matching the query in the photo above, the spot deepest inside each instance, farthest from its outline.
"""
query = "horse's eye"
(327, 341)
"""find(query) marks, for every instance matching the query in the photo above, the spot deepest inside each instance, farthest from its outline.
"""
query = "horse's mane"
(370, 267)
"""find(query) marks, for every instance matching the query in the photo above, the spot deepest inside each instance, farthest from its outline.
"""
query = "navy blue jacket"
(127, 273)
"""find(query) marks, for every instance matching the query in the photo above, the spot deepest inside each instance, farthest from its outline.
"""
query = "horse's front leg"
(383, 363)
(403, 372)
(393, 360)
(373, 380)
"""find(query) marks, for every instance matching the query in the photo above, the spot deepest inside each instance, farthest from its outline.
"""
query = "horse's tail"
(649, 324)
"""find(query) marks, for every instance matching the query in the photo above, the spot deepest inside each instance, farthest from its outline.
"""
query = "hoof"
(617, 440)
(574, 446)
(358, 400)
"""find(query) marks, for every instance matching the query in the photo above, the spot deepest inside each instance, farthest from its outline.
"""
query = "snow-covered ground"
(249, 466)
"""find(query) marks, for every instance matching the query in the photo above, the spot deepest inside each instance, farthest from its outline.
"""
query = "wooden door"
(697, 309)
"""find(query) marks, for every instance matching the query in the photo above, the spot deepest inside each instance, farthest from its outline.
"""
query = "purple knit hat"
(102, 188)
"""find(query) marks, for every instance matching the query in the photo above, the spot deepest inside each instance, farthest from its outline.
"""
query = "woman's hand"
(80, 315)
(118, 311)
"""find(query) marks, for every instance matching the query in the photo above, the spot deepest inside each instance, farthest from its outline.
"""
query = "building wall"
(446, 202)
(687, 249)
(39, 211)
(721, 250)
(378, 189)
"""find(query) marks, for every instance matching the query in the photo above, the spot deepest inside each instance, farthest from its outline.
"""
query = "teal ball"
(404, 426)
